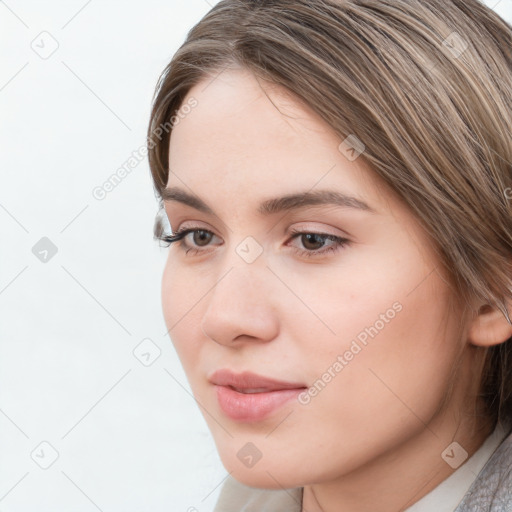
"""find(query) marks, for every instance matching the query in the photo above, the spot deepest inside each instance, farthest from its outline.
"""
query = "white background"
(129, 437)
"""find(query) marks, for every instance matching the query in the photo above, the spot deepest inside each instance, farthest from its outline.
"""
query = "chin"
(276, 472)
(261, 479)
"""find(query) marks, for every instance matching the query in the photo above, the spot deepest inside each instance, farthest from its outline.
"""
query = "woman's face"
(347, 320)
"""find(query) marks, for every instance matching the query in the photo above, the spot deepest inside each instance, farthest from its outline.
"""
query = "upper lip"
(249, 380)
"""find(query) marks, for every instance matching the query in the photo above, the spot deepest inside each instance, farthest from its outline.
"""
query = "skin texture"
(372, 438)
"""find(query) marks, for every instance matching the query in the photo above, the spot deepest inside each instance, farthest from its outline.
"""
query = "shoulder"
(237, 497)
(492, 489)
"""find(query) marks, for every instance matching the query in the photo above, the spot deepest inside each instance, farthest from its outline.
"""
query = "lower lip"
(250, 407)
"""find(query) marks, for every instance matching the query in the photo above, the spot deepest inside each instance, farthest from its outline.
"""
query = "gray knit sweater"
(492, 489)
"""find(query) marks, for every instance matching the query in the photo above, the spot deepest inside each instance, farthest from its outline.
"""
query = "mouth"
(248, 382)
(256, 390)
(248, 397)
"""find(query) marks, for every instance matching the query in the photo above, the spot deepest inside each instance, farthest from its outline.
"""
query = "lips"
(248, 382)
(248, 397)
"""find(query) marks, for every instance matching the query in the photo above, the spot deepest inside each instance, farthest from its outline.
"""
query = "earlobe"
(490, 326)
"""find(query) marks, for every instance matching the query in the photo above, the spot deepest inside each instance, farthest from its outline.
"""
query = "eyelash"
(340, 243)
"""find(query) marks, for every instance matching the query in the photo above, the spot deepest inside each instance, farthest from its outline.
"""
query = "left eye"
(310, 240)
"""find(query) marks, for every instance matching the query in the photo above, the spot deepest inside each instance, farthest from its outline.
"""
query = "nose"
(241, 307)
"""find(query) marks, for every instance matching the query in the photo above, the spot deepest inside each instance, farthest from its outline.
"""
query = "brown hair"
(425, 85)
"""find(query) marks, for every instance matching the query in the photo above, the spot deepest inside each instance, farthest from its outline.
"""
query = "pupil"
(311, 237)
(201, 235)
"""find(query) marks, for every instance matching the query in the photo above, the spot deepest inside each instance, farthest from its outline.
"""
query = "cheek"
(394, 344)
(180, 301)
(170, 296)
(397, 353)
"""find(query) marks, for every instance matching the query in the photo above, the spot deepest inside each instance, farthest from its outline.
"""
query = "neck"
(400, 477)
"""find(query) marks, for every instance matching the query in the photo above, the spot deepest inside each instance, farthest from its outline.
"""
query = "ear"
(490, 326)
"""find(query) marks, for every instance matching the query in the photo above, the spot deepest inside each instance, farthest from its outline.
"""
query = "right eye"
(200, 239)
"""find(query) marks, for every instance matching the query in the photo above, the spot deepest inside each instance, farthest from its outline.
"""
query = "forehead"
(247, 139)
(236, 110)
(241, 123)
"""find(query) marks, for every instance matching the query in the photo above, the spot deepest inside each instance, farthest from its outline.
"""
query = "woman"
(339, 277)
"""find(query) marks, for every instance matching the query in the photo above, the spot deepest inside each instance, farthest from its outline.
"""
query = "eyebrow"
(278, 204)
